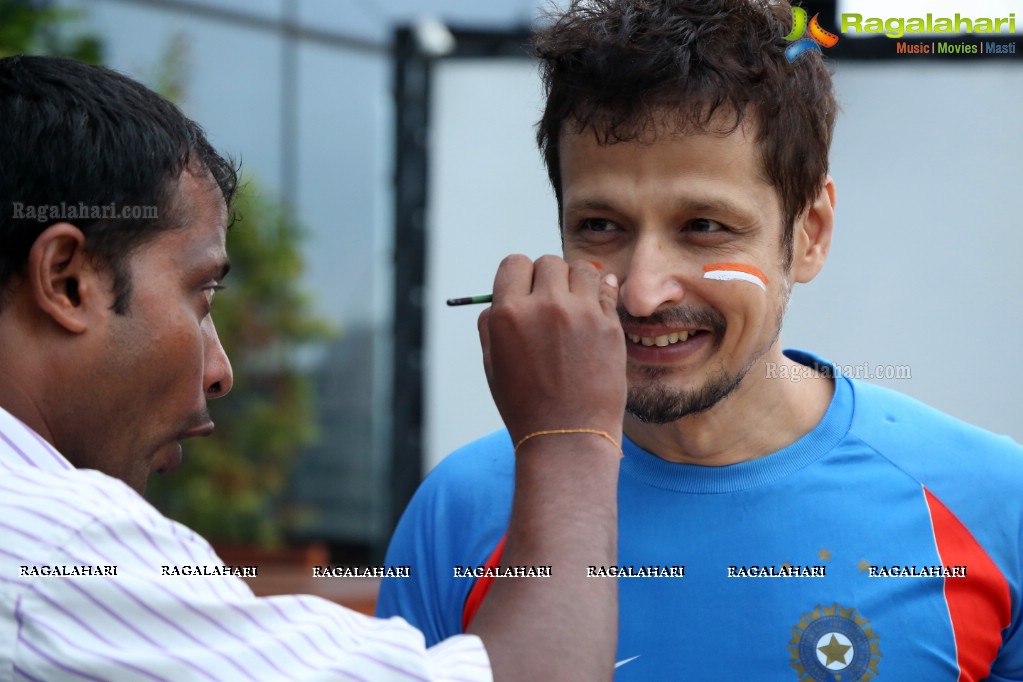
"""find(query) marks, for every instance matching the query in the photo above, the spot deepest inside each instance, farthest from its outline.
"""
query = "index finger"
(514, 277)
(583, 278)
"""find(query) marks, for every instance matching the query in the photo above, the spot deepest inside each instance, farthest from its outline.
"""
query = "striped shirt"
(83, 596)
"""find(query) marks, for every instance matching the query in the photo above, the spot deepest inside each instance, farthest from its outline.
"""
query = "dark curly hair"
(618, 66)
(73, 133)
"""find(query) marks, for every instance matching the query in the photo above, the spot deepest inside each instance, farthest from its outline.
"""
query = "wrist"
(609, 440)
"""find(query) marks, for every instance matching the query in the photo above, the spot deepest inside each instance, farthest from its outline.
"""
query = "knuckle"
(504, 314)
(583, 267)
(511, 260)
(549, 258)
(549, 261)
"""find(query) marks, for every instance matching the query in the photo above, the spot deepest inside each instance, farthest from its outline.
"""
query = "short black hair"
(87, 142)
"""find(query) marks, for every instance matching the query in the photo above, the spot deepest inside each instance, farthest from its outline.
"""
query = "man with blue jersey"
(769, 529)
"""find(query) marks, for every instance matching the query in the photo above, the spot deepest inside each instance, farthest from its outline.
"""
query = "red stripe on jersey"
(978, 603)
(479, 590)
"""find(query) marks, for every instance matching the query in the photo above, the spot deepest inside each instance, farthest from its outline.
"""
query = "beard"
(652, 400)
(657, 403)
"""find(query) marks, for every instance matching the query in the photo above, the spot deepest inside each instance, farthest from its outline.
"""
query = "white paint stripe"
(726, 275)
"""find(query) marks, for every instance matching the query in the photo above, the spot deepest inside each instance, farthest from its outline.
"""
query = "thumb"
(483, 325)
(609, 294)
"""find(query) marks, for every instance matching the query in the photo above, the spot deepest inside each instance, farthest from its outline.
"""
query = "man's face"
(163, 358)
(683, 221)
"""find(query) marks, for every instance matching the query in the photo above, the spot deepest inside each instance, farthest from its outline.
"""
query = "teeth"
(660, 341)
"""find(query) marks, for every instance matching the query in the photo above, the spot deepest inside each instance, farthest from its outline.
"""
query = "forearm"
(564, 516)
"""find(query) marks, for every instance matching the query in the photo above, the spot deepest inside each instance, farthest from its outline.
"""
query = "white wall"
(489, 197)
(924, 271)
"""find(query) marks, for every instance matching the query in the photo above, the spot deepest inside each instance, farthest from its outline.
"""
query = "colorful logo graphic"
(833, 643)
(818, 36)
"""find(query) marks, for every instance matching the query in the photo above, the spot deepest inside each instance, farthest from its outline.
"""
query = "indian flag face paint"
(735, 271)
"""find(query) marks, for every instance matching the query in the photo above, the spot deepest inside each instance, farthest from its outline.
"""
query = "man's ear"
(62, 278)
(812, 237)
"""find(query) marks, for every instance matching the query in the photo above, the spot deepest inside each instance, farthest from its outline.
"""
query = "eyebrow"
(721, 204)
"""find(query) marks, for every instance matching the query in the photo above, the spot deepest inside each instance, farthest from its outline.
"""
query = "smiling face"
(155, 366)
(694, 233)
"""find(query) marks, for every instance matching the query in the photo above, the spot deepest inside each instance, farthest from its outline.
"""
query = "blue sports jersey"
(883, 544)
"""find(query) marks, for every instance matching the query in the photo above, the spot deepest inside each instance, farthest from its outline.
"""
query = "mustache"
(683, 316)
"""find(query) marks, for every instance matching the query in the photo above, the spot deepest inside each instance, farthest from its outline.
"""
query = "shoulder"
(914, 434)
(456, 518)
(976, 474)
(464, 504)
(483, 468)
(71, 497)
(86, 516)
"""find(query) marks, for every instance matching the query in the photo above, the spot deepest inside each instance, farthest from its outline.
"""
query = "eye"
(704, 225)
(597, 225)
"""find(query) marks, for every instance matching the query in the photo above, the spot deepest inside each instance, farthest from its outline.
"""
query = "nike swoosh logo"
(619, 664)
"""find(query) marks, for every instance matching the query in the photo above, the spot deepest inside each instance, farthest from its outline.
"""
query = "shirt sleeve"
(142, 624)
(1008, 666)
(453, 523)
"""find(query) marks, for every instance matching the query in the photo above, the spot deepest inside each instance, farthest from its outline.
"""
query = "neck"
(764, 414)
(20, 404)
(29, 373)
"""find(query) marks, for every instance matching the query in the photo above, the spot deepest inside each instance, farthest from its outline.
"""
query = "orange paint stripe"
(736, 267)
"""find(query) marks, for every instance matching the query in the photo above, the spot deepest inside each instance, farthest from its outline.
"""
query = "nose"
(218, 377)
(653, 278)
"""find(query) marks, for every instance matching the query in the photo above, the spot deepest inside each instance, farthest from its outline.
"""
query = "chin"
(662, 403)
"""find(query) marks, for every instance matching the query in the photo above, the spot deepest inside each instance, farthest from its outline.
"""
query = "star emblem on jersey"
(834, 644)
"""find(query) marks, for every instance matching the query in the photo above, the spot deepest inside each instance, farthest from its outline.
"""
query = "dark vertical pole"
(412, 101)
(289, 104)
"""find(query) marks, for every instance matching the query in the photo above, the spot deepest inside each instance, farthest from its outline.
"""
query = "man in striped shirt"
(112, 224)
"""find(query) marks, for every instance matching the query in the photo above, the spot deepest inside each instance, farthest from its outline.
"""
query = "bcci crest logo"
(834, 645)
(818, 36)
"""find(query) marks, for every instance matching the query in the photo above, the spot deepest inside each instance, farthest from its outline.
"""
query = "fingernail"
(611, 280)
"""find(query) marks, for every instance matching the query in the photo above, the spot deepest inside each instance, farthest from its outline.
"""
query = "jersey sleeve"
(452, 524)
(129, 616)
(1008, 666)
(977, 476)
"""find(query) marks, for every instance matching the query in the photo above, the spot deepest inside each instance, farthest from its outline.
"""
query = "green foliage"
(27, 29)
(230, 486)
(170, 75)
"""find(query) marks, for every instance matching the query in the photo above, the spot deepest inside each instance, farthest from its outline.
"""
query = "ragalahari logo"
(818, 36)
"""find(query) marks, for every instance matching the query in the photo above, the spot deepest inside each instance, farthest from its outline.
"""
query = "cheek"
(751, 312)
(181, 361)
